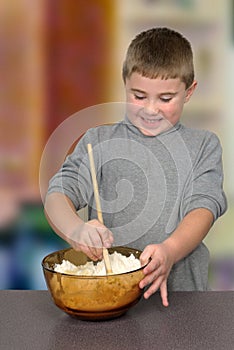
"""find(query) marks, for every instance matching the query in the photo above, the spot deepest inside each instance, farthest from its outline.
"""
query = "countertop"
(194, 320)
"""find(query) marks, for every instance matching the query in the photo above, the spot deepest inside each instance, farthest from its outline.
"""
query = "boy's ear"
(190, 91)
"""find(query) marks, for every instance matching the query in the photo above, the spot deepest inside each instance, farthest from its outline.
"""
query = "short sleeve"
(205, 187)
(73, 178)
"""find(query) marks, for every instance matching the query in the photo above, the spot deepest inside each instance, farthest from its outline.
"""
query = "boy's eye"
(139, 97)
(166, 99)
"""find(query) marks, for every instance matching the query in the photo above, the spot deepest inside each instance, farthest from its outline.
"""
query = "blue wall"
(22, 248)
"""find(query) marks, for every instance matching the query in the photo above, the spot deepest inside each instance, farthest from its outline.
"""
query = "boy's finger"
(163, 292)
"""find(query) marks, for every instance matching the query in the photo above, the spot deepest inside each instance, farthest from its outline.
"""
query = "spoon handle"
(98, 205)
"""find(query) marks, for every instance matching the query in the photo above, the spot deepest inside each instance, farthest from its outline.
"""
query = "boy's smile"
(155, 105)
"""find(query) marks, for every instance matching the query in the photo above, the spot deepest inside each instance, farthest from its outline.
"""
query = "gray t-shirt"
(147, 185)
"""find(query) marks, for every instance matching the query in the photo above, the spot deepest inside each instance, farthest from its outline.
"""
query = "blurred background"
(58, 57)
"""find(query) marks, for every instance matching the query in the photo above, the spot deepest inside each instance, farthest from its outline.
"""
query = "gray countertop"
(194, 320)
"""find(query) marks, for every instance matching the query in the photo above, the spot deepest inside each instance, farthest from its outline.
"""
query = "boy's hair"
(160, 53)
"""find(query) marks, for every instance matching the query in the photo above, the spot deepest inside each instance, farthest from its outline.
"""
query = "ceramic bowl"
(92, 297)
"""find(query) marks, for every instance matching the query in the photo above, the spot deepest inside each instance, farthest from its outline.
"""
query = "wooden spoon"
(98, 205)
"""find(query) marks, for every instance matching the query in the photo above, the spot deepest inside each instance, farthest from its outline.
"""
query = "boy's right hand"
(90, 237)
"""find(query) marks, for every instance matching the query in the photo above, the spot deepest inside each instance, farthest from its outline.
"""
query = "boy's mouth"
(151, 121)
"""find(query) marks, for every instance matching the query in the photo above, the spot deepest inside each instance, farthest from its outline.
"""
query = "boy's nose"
(151, 108)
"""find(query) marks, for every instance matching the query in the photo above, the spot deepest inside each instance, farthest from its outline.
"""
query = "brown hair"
(160, 52)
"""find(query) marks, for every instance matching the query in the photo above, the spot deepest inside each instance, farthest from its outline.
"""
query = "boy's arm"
(89, 237)
(188, 235)
(61, 214)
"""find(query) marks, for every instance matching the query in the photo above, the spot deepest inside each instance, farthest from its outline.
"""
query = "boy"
(160, 182)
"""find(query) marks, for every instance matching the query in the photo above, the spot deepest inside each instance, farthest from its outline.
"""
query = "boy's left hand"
(157, 270)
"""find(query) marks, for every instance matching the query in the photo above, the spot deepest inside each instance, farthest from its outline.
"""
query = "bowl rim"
(89, 276)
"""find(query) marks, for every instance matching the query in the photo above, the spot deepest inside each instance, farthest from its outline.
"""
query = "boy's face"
(155, 105)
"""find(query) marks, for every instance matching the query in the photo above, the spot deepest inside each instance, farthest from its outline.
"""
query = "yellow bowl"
(92, 297)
